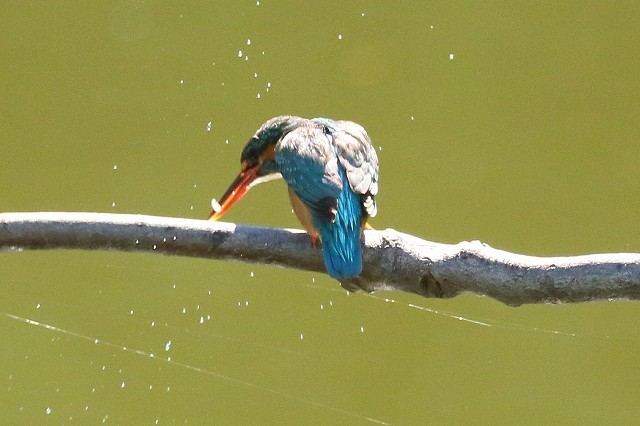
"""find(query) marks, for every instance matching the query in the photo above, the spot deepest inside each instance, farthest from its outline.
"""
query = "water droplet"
(450, 55)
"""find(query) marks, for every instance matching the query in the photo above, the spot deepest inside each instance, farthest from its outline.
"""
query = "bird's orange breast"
(304, 216)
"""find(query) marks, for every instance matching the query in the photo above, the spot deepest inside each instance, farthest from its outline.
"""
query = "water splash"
(95, 341)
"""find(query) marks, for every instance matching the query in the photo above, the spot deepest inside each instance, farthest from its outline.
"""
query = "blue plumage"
(341, 239)
(308, 162)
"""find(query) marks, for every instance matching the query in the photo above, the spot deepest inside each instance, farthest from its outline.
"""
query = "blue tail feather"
(341, 239)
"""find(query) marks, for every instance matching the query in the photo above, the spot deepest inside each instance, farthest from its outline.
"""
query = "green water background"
(516, 123)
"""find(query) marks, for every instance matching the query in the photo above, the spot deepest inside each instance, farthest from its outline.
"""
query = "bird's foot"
(315, 242)
(356, 284)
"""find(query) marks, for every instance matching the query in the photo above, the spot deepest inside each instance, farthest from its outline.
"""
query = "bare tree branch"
(392, 260)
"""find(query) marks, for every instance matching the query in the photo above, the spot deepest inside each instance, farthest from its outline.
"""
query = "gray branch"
(392, 260)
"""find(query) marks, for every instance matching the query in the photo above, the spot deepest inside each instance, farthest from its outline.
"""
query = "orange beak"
(238, 188)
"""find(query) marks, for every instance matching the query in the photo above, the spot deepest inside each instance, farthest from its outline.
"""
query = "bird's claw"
(356, 284)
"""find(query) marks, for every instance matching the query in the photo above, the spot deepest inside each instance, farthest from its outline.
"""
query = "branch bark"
(392, 260)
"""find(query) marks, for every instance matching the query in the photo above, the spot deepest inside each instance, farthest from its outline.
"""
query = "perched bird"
(331, 170)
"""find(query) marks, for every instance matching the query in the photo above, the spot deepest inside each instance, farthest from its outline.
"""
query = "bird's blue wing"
(308, 163)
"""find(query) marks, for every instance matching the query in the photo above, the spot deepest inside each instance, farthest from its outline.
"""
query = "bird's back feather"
(333, 169)
(341, 238)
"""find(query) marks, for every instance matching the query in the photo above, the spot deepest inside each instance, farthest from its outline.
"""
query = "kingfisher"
(331, 170)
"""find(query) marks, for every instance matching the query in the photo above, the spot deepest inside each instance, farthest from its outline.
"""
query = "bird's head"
(257, 161)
